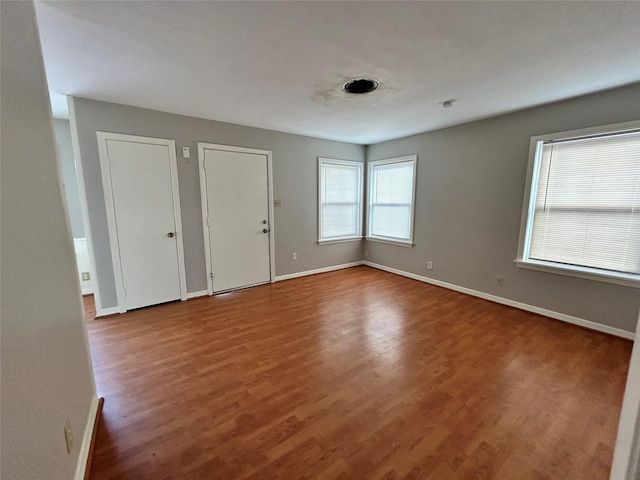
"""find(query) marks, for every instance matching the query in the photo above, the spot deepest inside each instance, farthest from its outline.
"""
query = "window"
(391, 199)
(582, 214)
(340, 200)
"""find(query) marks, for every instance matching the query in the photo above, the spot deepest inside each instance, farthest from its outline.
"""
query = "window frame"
(528, 210)
(351, 163)
(413, 159)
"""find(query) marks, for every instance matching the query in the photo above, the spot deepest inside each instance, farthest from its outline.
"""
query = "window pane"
(339, 220)
(391, 221)
(394, 183)
(587, 205)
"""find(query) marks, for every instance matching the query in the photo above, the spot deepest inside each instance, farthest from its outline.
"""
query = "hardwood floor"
(354, 374)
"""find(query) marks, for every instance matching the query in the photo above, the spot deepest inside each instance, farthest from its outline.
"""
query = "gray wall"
(69, 178)
(46, 370)
(294, 182)
(469, 195)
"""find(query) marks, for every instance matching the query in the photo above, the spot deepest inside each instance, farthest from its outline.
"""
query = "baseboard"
(201, 293)
(511, 303)
(88, 439)
(104, 312)
(289, 276)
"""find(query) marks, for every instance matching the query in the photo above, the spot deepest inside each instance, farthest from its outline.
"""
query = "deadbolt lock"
(170, 234)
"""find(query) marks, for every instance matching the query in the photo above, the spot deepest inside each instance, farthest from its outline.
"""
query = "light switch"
(186, 153)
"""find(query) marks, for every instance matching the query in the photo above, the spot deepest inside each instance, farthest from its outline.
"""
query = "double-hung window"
(339, 200)
(582, 211)
(391, 200)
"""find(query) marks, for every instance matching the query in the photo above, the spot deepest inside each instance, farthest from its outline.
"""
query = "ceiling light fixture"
(360, 85)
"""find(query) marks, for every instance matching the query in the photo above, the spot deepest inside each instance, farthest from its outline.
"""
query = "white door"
(236, 204)
(143, 206)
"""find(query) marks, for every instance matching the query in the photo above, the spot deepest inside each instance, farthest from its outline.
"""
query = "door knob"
(170, 234)
(264, 221)
(265, 230)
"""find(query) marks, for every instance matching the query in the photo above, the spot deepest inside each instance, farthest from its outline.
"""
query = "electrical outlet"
(277, 202)
(294, 256)
(429, 265)
(500, 281)
(86, 277)
(68, 435)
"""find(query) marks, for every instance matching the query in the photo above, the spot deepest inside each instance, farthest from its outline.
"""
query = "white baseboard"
(511, 303)
(201, 293)
(107, 311)
(289, 276)
(85, 446)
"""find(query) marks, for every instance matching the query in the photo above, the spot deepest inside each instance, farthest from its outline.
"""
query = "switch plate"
(294, 256)
(186, 153)
(277, 202)
(86, 277)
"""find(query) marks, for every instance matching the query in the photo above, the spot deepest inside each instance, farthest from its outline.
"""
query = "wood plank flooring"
(354, 374)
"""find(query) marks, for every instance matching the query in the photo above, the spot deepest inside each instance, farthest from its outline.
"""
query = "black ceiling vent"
(360, 85)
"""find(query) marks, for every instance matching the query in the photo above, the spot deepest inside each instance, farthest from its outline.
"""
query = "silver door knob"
(264, 221)
(170, 234)
(265, 230)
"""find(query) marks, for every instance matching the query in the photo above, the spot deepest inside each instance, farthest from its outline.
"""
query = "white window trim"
(392, 240)
(530, 190)
(350, 163)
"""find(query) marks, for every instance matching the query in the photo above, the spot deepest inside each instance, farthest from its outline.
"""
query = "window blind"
(340, 203)
(587, 204)
(391, 198)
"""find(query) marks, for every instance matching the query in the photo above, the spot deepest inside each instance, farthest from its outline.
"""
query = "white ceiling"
(281, 65)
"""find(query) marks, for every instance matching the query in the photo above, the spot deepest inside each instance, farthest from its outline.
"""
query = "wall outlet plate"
(277, 202)
(429, 265)
(500, 281)
(68, 435)
(86, 276)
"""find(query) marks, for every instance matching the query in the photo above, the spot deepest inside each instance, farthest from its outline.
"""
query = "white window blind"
(391, 195)
(340, 204)
(587, 203)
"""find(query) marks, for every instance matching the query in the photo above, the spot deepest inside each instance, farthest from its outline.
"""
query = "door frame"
(111, 213)
(202, 146)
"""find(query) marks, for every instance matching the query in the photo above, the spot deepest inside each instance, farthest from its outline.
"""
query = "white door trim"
(84, 208)
(202, 146)
(111, 214)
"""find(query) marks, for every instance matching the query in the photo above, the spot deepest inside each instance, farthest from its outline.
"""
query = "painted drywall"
(69, 179)
(46, 370)
(294, 182)
(469, 195)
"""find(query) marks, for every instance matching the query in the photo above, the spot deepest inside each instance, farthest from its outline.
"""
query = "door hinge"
(211, 275)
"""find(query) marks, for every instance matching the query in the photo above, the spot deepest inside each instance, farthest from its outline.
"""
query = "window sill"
(626, 280)
(329, 241)
(390, 241)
